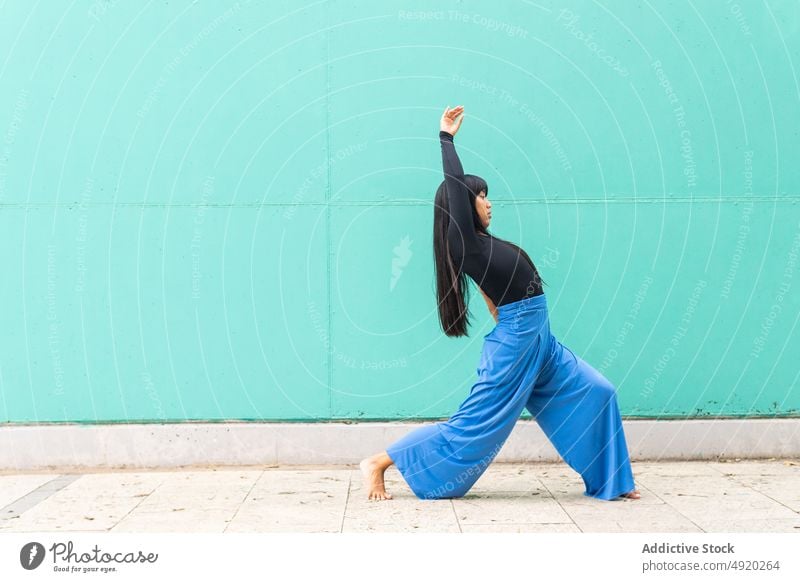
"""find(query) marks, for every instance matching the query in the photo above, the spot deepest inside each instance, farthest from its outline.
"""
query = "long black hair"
(452, 288)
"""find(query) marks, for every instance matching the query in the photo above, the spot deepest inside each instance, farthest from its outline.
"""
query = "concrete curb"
(148, 445)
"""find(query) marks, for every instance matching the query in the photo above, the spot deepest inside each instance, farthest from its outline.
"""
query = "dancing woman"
(522, 364)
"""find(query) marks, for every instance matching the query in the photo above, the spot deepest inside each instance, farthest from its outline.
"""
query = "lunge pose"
(522, 364)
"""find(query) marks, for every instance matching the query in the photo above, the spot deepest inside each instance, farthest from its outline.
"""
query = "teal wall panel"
(157, 313)
(224, 210)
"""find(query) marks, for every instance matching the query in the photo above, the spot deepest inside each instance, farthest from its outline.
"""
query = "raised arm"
(461, 233)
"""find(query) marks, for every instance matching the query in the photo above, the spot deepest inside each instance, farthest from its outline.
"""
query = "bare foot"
(632, 494)
(373, 479)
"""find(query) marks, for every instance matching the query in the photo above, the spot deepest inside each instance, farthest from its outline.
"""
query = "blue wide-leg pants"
(522, 365)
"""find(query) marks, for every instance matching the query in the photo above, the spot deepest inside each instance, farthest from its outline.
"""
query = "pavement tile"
(752, 525)
(503, 478)
(92, 502)
(188, 519)
(12, 487)
(700, 486)
(333, 481)
(784, 489)
(569, 490)
(670, 468)
(300, 511)
(404, 512)
(174, 480)
(360, 526)
(509, 507)
(723, 490)
(202, 501)
(520, 528)
(218, 491)
(283, 528)
(631, 517)
(703, 498)
(758, 467)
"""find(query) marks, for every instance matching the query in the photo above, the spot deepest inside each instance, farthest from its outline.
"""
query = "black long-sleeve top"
(499, 269)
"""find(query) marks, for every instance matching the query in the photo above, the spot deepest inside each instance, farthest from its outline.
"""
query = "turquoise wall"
(224, 211)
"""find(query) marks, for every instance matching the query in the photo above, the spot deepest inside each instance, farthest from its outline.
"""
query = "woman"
(522, 364)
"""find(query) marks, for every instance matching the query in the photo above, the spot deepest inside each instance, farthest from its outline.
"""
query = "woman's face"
(484, 208)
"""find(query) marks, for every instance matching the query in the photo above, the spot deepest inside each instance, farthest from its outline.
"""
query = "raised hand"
(451, 119)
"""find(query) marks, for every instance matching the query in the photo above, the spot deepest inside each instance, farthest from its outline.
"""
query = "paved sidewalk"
(690, 496)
